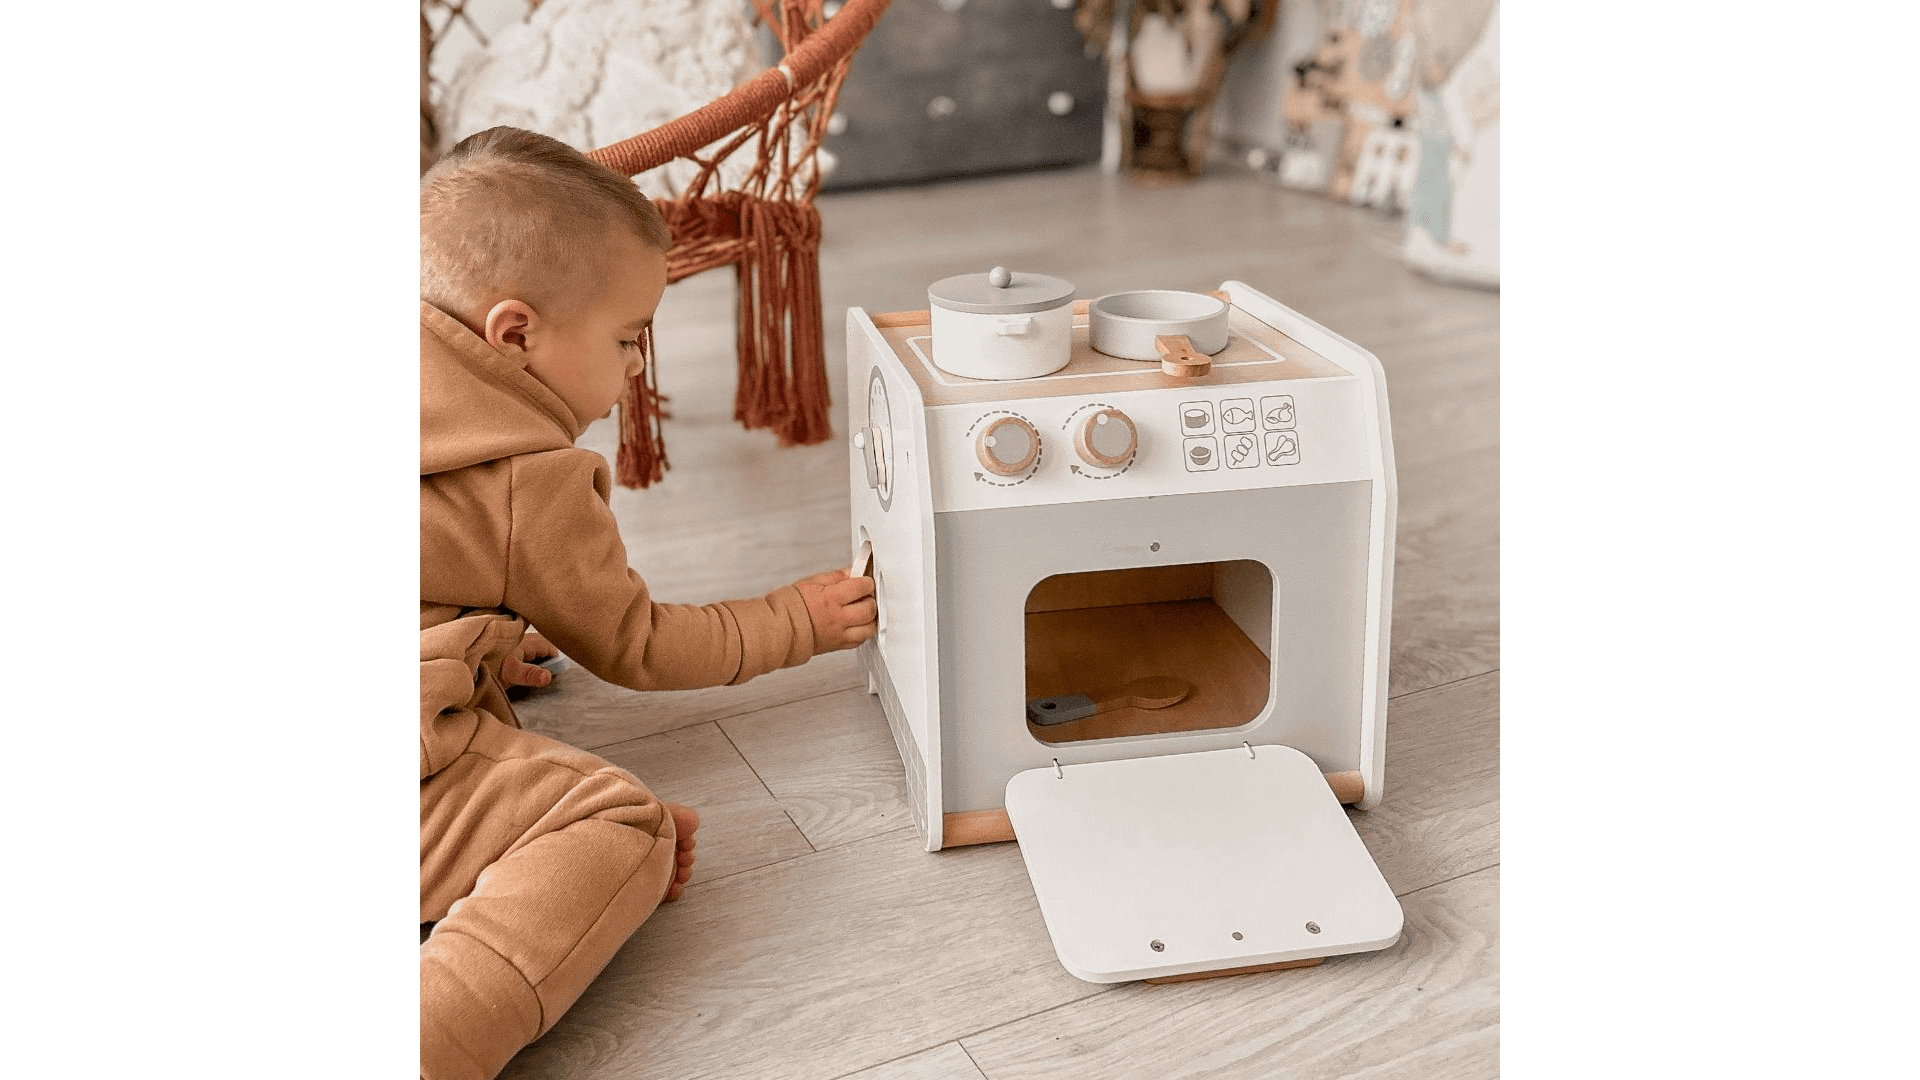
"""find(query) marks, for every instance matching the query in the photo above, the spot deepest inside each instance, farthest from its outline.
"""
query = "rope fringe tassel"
(774, 246)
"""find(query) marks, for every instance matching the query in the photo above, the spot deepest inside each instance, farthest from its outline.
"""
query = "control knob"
(1007, 446)
(1106, 439)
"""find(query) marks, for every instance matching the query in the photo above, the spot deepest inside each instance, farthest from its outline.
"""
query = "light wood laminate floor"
(817, 939)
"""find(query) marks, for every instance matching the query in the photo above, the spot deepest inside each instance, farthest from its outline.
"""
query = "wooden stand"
(1312, 961)
(970, 827)
(1165, 136)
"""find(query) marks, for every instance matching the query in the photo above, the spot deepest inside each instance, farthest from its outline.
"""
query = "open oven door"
(1188, 863)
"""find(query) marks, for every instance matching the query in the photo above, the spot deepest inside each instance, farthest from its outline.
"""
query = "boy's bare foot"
(686, 820)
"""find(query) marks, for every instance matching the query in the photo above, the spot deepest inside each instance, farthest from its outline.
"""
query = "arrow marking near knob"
(1075, 415)
(1078, 471)
(982, 477)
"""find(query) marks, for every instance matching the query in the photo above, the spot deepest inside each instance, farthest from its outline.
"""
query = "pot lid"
(999, 292)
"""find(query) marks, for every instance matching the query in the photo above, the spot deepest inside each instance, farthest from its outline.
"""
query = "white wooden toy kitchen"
(1134, 604)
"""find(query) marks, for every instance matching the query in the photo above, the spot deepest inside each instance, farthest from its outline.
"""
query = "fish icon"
(1235, 415)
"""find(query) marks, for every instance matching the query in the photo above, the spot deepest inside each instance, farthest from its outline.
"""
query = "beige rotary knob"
(1107, 438)
(1007, 446)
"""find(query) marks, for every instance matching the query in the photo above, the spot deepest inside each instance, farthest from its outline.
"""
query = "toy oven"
(1049, 546)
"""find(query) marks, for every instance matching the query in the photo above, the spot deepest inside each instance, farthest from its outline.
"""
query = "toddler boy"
(539, 271)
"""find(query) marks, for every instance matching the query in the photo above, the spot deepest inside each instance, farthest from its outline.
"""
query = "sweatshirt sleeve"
(567, 574)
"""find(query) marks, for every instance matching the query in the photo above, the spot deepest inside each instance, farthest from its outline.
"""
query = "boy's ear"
(507, 325)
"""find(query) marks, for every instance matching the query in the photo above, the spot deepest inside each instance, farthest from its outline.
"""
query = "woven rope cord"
(765, 226)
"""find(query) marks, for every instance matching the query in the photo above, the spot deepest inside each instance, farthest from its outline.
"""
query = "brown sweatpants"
(537, 861)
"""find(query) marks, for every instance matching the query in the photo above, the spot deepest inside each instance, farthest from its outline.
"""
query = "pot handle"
(1013, 325)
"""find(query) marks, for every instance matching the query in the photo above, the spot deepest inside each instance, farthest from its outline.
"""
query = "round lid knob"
(1107, 438)
(1007, 446)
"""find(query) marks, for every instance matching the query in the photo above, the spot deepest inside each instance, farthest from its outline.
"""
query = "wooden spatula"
(1152, 692)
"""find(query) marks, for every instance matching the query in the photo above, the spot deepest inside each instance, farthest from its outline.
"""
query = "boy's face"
(585, 355)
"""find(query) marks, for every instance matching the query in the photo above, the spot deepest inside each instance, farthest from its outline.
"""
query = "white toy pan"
(1178, 329)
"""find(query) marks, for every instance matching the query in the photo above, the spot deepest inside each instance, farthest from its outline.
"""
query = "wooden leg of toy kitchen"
(1348, 787)
(970, 827)
(1311, 961)
(975, 827)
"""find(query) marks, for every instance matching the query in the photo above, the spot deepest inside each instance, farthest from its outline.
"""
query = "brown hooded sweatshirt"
(514, 518)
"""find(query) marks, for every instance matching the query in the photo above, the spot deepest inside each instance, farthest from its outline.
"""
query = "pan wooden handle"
(1179, 358)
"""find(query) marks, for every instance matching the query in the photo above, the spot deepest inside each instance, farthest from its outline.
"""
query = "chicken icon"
(1284, 446)
(1280, 415)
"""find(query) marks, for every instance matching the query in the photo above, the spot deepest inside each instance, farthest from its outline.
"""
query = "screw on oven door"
(1157, 946)
(1313, 928)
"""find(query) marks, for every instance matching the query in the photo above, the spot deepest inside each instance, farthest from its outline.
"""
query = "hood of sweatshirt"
(479, 404)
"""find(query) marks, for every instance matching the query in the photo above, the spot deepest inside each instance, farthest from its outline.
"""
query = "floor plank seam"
(1104, 989)
(791, 820)
(752, 869)
(777, 801)
(1465, 874)
(802, 855)
(909, 1054)
(1444, 685)
(715, 720)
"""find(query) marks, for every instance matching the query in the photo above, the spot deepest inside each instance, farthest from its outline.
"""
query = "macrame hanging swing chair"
(765, 226)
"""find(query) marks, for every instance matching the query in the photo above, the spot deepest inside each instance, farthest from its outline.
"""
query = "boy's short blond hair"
(512, 214)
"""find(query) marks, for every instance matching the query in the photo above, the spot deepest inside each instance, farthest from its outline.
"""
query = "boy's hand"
(521, 671)
(842, 609)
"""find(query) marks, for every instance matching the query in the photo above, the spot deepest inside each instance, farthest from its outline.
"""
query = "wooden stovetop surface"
(1255, 352)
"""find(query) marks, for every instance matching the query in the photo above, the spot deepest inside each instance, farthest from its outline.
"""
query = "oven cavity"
(1148, 650)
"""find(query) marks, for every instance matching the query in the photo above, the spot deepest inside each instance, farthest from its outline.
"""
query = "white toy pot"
(1001, 325)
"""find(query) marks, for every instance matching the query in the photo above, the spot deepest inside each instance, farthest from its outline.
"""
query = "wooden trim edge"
(969, 827)
(1312, 961)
